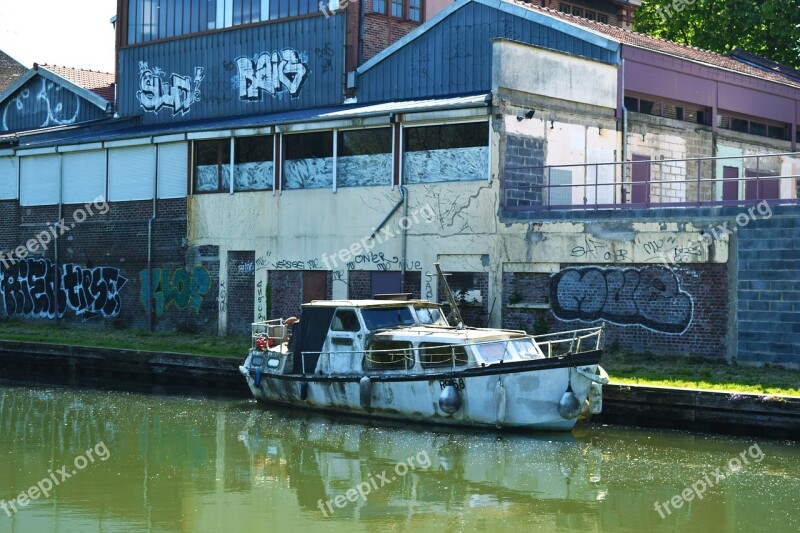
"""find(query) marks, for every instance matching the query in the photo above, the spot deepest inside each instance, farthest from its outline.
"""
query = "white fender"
(601, 378)
(499, 404)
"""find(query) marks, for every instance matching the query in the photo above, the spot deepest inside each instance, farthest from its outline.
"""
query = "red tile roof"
(10, 70)
(682, 51)
(100, 83)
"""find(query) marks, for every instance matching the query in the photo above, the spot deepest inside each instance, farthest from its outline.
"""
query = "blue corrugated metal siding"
(149, 74)
(455, 56)
(41, 103)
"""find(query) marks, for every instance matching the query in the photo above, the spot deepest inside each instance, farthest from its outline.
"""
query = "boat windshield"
(387, 317)
(430, 316)
(510, 350)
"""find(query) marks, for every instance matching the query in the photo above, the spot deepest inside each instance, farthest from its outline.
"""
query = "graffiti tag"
(38, 106)
(178, 94)
(181, 287)
(28, 289)
(273, 73)
(650, 297)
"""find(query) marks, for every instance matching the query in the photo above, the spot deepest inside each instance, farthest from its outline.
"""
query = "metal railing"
(274, 330)
(691, 182)
(576, 341)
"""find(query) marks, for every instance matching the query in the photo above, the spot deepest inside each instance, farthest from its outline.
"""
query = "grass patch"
(130, 339)
(700, 373)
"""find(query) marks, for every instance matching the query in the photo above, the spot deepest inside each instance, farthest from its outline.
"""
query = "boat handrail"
(591, 340)
(275, 330)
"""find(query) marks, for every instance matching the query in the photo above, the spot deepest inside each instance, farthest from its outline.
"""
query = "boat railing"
(273, 332)
(551, 345)
(571, 342)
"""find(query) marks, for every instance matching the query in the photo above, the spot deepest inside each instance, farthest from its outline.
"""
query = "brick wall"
(521, 154)
(241, 291)
(646, 308)
(381, 30)
(99, 276)
(285, 293)
(359, 284)
(768, 290)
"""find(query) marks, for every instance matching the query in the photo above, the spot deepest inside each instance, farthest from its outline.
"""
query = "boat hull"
(517, 395)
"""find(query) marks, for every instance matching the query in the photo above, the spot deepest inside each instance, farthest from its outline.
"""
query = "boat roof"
(368, 303)
(444, 333)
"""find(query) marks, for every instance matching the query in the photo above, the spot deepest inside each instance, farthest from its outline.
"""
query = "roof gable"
(451, 54)
(41, 98)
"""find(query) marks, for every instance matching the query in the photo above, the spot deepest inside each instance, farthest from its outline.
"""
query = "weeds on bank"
(700, 373)
(128, 339)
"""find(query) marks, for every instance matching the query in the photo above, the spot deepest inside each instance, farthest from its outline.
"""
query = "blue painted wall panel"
(455, 56)
(295, 64)
(42, 103)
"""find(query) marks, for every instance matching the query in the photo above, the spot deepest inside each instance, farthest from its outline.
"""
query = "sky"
(58, 32)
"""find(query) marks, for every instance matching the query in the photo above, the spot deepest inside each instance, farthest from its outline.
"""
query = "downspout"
(404, 228)
(56, 277)
(404, 202)
(150, 247)
(361, 6)
(624, 126)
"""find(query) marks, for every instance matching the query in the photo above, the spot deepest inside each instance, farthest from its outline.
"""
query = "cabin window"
(308, 160)
(364, 157)
(345, 320)
(388, 355)
(447, 152)
(387, 317)
(433, 355)
(430, 316)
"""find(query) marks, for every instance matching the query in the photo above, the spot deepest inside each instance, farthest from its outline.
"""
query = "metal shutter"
(172, 170)
(131, 171)
(39, 180)
(84, 176)
(8, 178)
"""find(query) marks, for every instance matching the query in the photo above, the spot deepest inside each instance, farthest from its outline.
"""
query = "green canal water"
(90, 460)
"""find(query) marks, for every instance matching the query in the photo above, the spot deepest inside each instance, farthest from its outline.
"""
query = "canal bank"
(766, 416)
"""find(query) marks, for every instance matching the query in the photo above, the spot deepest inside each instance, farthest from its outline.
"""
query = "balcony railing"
(693, 182)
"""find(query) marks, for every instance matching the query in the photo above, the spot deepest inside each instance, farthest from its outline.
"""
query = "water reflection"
(194, 464)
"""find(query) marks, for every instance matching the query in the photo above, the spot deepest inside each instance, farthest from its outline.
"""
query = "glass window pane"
(452, 152)
(379, 6)
(415, 10)
(212, 166)
(397, 8)
(308, 160)
(364, 157)
(253, 164)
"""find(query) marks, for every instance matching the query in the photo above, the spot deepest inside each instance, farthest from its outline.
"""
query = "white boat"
(401, 359)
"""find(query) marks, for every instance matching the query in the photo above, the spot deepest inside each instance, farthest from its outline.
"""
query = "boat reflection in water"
(343, 469)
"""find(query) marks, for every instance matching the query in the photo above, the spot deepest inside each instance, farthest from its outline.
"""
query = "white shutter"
(39, 180)
(131, 171)
(8, 178)
(84, 176)
(173, 161)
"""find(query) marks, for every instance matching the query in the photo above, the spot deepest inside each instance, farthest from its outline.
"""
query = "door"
(730, 184)
(759, 187)
(640, 178)
(345, 341)
(315, 285)
(385, 283)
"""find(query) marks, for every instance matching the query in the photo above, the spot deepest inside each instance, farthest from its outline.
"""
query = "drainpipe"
(361, 7)
(150, 247)
(624, 126)
(56, 277)
(404, 227)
